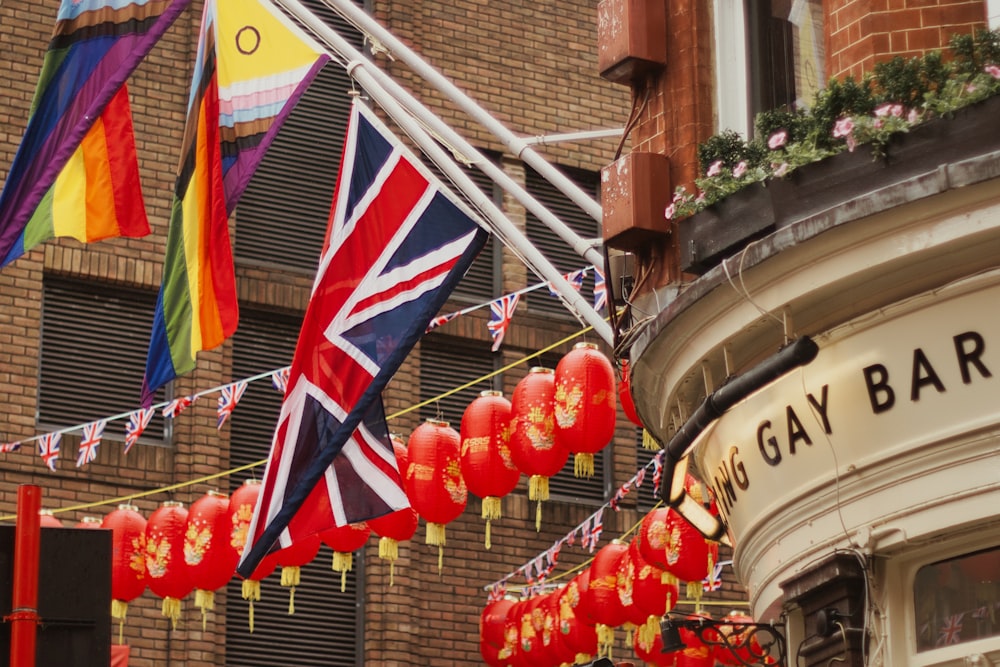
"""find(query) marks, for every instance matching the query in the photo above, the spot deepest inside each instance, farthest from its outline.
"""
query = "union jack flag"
(138, 420)
(600, 290)
(951, 631)
(7, 447)
(713, 581)
(279, 379)
(48, 449)
(592, 535)
(89, 442)
(229, 396)
(443, 319)
(177, 406)
(497, 591)
(657, 472)
(619, 494)
(396, 246)
(501, 313)
(574, 278)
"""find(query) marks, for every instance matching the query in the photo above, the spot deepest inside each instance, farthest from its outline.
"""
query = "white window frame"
(732, 80)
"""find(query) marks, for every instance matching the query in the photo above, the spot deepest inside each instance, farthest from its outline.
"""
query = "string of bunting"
(230, 394)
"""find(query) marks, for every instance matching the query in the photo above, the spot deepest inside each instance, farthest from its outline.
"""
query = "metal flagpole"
(368, 76)
(581, 246)
(518, 146)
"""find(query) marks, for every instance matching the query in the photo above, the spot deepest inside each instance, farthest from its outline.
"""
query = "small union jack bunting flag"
(600, 290)
(89, 442)
(713, 581)
(279, 379)
(501, 313)
(230, 396)
(574, 278)
(8, 447)
(48, 449)
(177, 406)
(497, 591)
(951, 631)
(593, 535)
(640, 477)
(443, 319)
(138, 420)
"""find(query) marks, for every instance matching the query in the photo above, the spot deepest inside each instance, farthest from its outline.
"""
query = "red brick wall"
(863, 32)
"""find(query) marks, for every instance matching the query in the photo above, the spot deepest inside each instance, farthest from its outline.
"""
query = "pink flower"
(993, 70)
(670, 211)
(740, 169)
(780, 169)
(714, 169)
(882, 110)
(851, 143)
(700, 199)
(777, 140)
(971, 88)
(913, 116)
(843, 127)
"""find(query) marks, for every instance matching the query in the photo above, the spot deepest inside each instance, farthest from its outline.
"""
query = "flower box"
(709, 235)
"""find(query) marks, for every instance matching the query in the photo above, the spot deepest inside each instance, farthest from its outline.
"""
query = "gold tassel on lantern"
(118, 611)
(583, 465)
(204, 600)
(492, 509)
(538, 489)
(436, 537)
(649, 631)
(649, 442)
(251, 592)
(388, 549)
(290, 578)
(172, 609)
(343, 563)
(605, 640)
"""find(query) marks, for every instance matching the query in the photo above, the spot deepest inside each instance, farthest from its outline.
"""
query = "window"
(93, 354)
(281, 218)
(770, 53)
(326, 627)
(957, 600)
(561, 255)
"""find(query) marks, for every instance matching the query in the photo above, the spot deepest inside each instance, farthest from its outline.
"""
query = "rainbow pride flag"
(57, 185)
(253, 65)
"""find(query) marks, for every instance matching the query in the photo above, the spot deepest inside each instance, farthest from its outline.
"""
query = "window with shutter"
(281, 218)
(95, 338)
(562, 256)
(326, 628)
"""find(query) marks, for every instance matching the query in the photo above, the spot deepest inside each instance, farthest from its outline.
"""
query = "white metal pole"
(366, 74)
(518, 146)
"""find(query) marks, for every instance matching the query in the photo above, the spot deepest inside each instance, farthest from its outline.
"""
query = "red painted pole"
(24, 597)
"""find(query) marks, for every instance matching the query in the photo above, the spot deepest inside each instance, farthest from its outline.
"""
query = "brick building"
(74, 323)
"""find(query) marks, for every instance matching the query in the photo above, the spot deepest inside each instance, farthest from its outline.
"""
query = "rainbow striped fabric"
(75, 172)
(253, 65)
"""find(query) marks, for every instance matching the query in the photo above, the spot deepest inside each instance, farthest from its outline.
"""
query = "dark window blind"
(326, 625)
(445, 363)
(93, 354)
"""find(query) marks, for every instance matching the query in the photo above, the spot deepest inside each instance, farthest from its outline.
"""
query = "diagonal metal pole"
(372, 79)
(517, 145)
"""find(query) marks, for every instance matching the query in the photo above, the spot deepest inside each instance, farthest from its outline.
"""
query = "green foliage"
(898, 95)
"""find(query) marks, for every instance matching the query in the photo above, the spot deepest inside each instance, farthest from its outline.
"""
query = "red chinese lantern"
(585, 405)
(602, 601)
(649, 649)
(749, 650)
(578, 635)
(433, 479)
(240, 512)
(168, 573)
(211, 561)
(492, 620)
(345, 540)
(46, 519)
(487, 467)
(393, 528)
(654, 593)
(625, 394)
(667, 541)
(533, 446)
(88, 522)
(128, 559)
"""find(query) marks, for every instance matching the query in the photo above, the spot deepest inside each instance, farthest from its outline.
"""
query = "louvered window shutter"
(445, 363)
(562, 256)
(325, 630)
(93, 354)
(282, 217)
